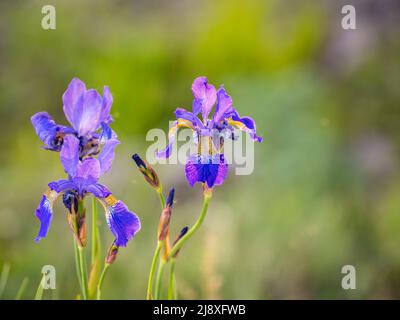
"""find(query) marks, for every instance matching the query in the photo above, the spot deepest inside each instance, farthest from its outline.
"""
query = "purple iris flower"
(88, 114)
(83, 176)
(209, 167)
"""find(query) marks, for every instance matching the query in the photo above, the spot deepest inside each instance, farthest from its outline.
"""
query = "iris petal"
(88, 169)
(76, 89)
(44, 212)
(180, 123)
(48, 131)
(107, 102)
(123, 223)
(69, 154)
(245, 124)
(106, 156)
(212, 171)
(181, 113)
(224, 105)
(204, 96)
(87, 113)
(98, 190)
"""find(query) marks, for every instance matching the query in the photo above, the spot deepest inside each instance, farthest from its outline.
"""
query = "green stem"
(193, 229)
(171, 283)
(95, 231)
(83, 272)
(160, 273)
(162, 199)
(152, 269)
(77, 265)
(102, 276)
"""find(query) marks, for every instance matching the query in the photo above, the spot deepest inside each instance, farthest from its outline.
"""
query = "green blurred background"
(325, 191)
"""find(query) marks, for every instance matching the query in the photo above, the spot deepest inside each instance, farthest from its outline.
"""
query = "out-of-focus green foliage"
(325, 189)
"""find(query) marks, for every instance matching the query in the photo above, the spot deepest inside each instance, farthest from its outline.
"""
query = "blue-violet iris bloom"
(209, 168)
(88, 114)
(90, 136)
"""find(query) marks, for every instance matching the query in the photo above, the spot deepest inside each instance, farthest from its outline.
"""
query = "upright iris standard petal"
(72, 96)
(210, 170)
(123, 223)
(88, 169)
(106, 156)
(44, 212)
(87, 113)
(204, 97)
(69, 154)
(107, 102)
(223, 107)
(48, 131)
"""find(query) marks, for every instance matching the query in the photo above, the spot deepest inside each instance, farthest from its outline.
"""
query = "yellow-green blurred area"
(325, 191)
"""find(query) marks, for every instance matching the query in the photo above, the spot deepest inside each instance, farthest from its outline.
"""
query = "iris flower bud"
(112, 254)
(179, 237)
(148, 172)
(165, 219)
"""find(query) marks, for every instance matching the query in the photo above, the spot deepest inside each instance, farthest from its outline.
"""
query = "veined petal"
(123, 223)
(106, 156)
(245, 124)
(88, 169)
(98, 190)
(48, 131)
(75, 91)
(180, 123)
(224, 105)
(204, 97)
(62, 185)
(87, 113)
(212, 171)
(183, 114)
(106, 133)
(44, 212)
(107, 102)
(70, 154)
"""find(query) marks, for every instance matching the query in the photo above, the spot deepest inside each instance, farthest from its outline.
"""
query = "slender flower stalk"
(175, 249)
(149, 295)
(100, 284)
(161, 265)
(95, 253)
(163, 229)
(111, 257)
(78, 265)
(163, 237)
(172, 281)
(162, 199)
(95, 233)
(162, 245)
(83, 272)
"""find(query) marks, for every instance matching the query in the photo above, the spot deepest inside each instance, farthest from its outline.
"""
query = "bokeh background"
(325, 191)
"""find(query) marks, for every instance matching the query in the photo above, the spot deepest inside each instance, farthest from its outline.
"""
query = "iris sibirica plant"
(206, 166)
(86, 153)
